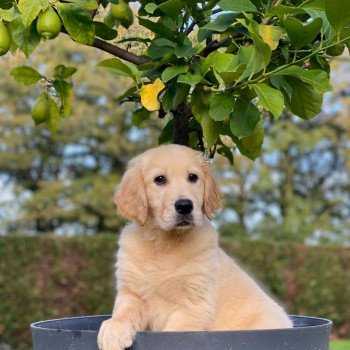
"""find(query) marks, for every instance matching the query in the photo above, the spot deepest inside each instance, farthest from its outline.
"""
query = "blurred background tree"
(63, 182)
(296, 191)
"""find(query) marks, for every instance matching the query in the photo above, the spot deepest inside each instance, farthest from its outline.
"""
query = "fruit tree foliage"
(215, 69)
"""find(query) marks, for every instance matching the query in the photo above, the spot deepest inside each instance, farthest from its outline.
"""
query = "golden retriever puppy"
(171, 273)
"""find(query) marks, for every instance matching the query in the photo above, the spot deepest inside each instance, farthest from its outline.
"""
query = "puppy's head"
(170, 185)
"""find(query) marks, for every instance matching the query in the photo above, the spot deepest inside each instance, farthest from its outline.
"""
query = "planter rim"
(319, 322)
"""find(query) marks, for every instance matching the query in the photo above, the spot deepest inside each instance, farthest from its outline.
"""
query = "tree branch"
(118, 52)
(115, 50)
(192, 25)
(214, 45)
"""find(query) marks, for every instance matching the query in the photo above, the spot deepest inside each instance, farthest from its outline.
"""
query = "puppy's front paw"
(115, 335)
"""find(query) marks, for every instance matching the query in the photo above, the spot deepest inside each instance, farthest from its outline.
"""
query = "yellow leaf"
(271, 35)
(149, 95)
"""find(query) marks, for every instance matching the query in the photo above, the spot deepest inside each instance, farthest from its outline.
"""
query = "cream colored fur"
(172, 278)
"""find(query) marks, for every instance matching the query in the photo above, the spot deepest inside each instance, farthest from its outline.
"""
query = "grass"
(340, 345)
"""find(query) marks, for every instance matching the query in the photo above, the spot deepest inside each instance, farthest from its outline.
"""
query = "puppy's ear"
(130, 196)
(212, 193)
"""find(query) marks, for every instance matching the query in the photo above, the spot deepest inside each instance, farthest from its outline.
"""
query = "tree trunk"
(181, 114)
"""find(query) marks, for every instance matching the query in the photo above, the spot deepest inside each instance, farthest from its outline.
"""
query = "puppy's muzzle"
(184, 206)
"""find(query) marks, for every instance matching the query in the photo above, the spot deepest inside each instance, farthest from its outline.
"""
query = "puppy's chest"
(163, 275)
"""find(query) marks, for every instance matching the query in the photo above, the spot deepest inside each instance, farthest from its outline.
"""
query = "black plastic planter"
(80, 333)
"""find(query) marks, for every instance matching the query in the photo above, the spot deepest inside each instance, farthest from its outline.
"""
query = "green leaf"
(65, 92)
(219, 24)
(27, 39)
(305, 101)
(164, 42)
(338, 14)
(104, 32)
(158, 28)
(203, 33)
(155, 51)
(149, 72)
(318, 78)
(251, 146)
(221, 105)
(263, 50)
(6, 4)
(63, 72)
(244, 118)
(316, 14)
(237, 6)
(173, 25)
(117, 67)
(250, 56)
(139, 116)
(136, 74)
(171, 8)
(230, 77)
(166, 134)
(208, 62)
(225, 62)
(270, 98)
(200, 100)
(181, 94)
(346, 35)
(314, 4)
(169, 96)
(245, 53)
(88, 4)
(26, 75)
(280, 83)
(302, 34)
(9, 15)
(211, 130)
(172, 72)
(189, 78)
(226, 65)
(281, 10)
(184, 50)
(30, 9)
(78, 22)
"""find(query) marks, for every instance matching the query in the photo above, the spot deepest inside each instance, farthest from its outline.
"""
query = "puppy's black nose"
(183, 206)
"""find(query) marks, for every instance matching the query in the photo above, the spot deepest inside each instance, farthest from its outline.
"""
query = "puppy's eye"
(192, 178)
(160, 180)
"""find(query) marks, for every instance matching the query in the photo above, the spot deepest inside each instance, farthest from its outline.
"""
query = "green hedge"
(48, 277)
